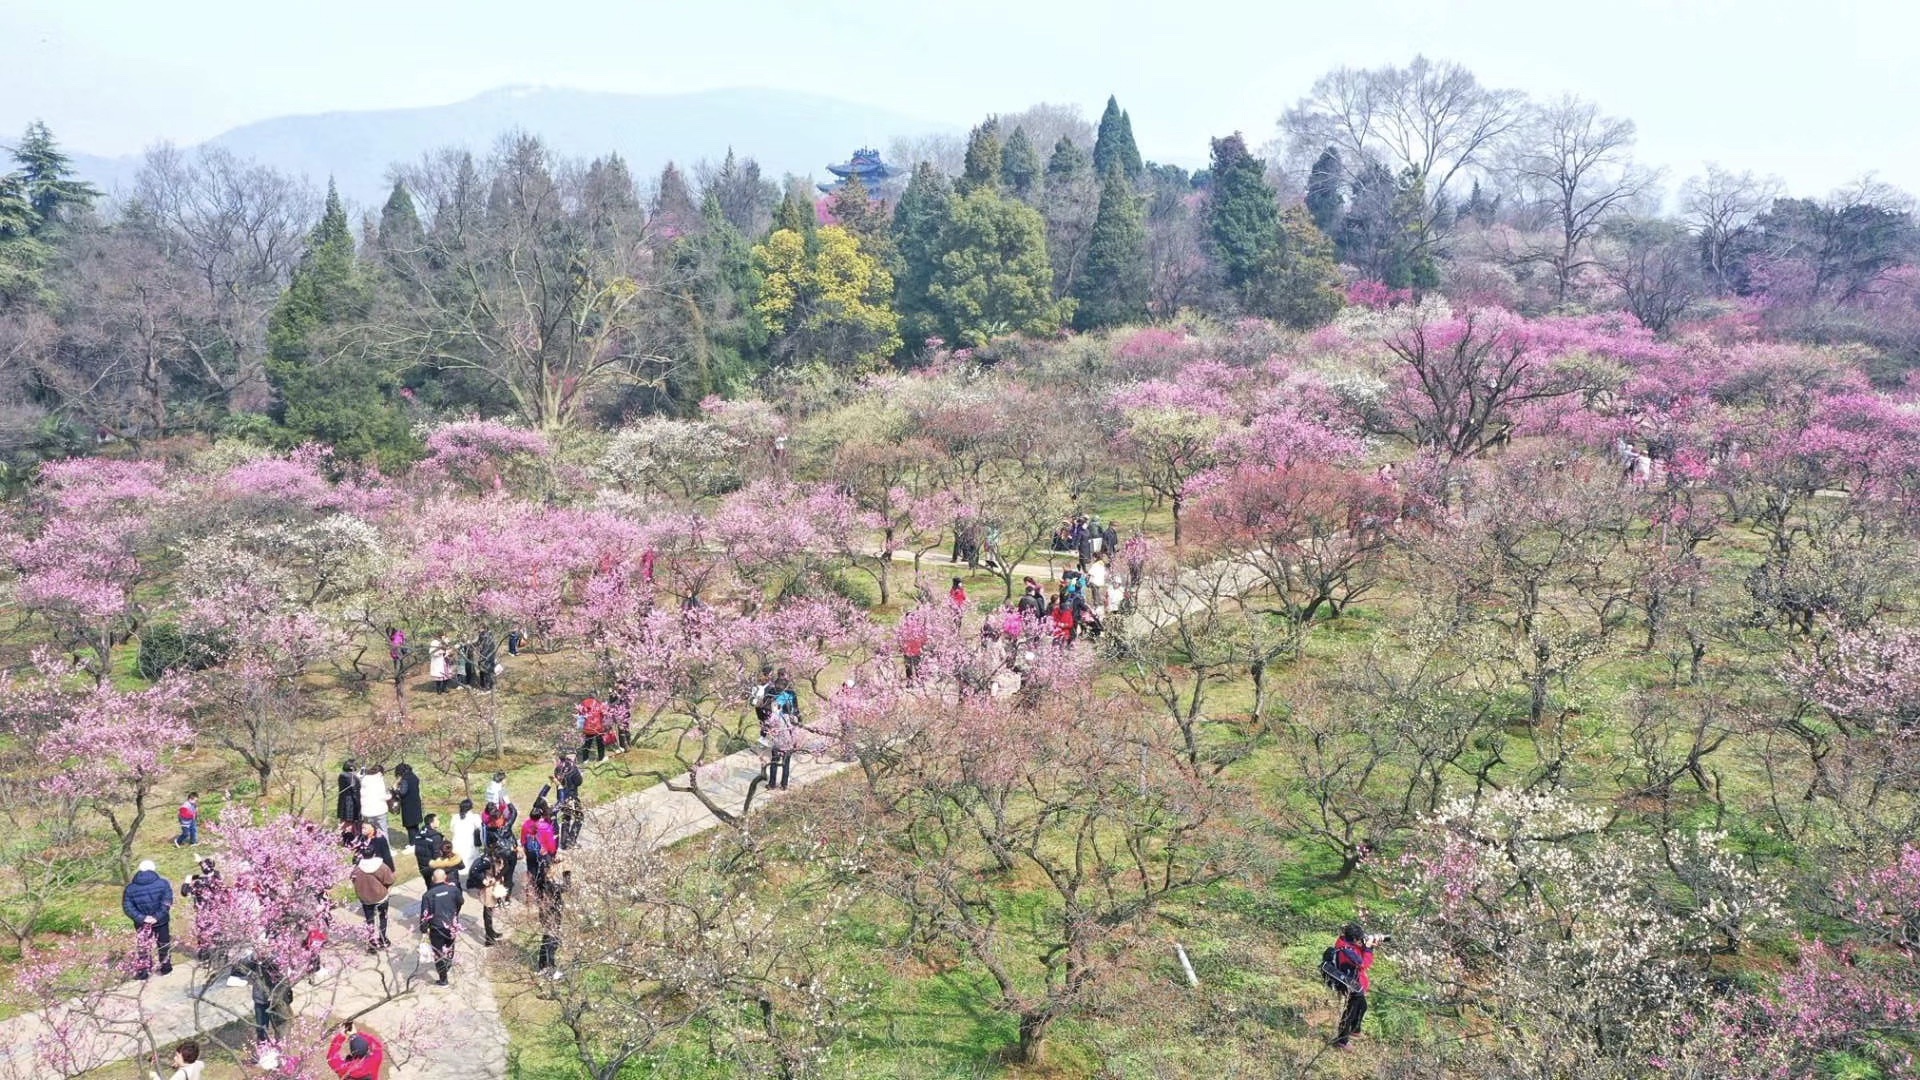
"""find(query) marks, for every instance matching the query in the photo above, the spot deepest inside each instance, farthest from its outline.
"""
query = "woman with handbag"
(492, 891)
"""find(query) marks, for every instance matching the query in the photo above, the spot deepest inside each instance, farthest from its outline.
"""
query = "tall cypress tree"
(674, 210)
(324, 392)
(983, 159)
(1243, 218)
(1112, 288)
(919, 220)
(1114, 145)
(1324, 201)
(1129, 150)
(796, 212)
(400, 223)
(1020, 164)
(859, 213)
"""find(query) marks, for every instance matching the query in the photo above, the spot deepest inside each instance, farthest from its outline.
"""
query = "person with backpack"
(1345, 968)
(539, 843)
(503, 846)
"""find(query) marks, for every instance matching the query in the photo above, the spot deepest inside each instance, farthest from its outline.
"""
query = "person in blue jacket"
(148, 902)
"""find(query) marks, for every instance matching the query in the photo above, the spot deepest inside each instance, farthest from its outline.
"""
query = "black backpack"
(1345, 980)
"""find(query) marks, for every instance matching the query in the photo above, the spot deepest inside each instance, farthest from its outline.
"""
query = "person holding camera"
(356, 1055)
(1345, 967)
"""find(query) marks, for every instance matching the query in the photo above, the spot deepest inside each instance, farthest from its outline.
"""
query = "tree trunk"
(1033, 1038)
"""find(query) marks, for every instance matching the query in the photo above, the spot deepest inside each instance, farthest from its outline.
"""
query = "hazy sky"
(1817, 92)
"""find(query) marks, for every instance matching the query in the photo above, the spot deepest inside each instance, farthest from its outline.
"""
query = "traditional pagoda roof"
(865, 164)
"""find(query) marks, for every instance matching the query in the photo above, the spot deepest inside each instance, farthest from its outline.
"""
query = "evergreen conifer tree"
(1113, 144)
(919, 220)
(1067, 162)
(1324, 201)
(1306, 288)
(855, 210)
(1243, 219)
(400, 230)
(22, 256)
(325, 392)
(48, 175)
(1112, 287)
(674, 211)
(796, 212)
(982, 171)
(1020, 164)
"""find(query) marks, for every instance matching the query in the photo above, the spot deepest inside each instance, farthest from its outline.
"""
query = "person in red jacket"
(356, 1055)
(958, 594)
(1352, 957)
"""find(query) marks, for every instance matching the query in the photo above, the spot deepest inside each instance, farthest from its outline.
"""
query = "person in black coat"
(346, 805)
(426, 846)
(373, 843)
(440, 921)
(406, 788)
(487, 655)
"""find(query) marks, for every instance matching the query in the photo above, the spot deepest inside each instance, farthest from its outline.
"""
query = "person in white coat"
(464, 834)
(373, 798)
(437, 668)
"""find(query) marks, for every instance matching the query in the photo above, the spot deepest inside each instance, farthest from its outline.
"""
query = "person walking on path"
(186, 1063)
(373, 883)
(406, 792)
(148, 903)
(1352, 958)
(440, 922)
(356, 1055)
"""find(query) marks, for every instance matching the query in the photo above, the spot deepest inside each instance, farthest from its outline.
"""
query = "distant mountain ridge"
(785, 131)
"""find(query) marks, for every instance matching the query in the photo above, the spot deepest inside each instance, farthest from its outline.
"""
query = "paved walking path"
(164, 1010)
